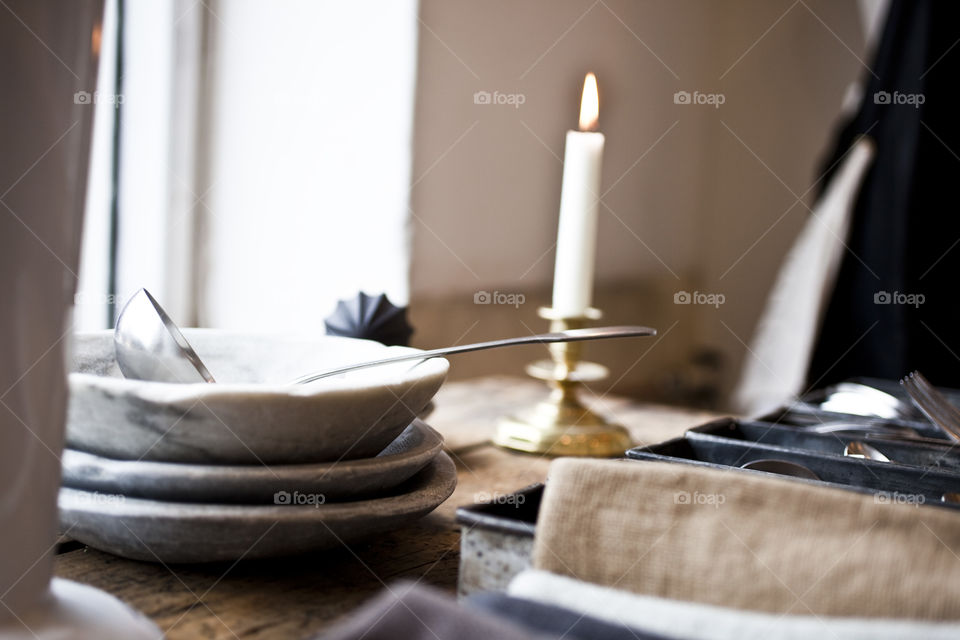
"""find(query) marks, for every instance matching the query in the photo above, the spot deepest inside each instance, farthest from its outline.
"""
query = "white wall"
(304, 167)
(679, 214)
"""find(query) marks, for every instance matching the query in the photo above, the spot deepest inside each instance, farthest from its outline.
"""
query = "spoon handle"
(571, 335)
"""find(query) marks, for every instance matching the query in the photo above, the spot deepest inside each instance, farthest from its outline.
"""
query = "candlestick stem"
(561, 425)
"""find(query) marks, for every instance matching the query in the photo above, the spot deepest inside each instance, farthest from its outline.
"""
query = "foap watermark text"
(910, 299)
(297, 498)
(697, 498)
(496, 98)
(895, 497)
(911, 99)
(499, 297)
(696, 97)
(95, 497)
(698, 297)
(515, 499)
(85, 97)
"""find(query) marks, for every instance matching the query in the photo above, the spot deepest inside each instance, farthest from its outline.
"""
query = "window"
(262, 160)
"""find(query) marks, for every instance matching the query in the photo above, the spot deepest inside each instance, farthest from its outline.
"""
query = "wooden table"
(298, 597)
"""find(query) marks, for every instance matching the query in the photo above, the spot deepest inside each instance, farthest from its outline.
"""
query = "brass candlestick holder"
(561, 425)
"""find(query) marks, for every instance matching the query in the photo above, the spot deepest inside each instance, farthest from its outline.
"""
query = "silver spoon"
(861, 428)
(858, 449)
(570, 335)
(781, 467)
(149, 346)
(860, 399)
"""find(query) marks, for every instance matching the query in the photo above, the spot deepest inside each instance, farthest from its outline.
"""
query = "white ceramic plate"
(175, 532)
(255, 484)
(252, 414)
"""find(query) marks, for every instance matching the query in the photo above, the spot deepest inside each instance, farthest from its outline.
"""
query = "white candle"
(579, 200)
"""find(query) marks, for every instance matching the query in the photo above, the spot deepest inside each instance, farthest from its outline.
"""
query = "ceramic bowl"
(255, 484)
(171, 532)
(252, 414)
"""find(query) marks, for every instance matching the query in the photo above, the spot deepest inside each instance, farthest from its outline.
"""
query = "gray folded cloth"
(693, 621)
(556, 621)
(413, 612)
(747, 541)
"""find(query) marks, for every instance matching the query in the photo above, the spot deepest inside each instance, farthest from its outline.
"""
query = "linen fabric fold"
(646, 615)
(748, 541)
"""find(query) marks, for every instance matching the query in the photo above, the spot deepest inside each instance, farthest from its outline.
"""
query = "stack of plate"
(251, 466)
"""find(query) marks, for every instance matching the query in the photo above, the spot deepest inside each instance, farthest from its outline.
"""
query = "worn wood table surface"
(299, 597)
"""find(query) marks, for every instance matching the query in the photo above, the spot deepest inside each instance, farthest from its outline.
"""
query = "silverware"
(149, 345)
(863, 429)
(781, 467)
(860, 399)
(933, 404)
(858, 449)
(570, 335)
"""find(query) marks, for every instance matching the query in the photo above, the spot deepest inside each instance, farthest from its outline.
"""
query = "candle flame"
(95, 38)
(589, 104)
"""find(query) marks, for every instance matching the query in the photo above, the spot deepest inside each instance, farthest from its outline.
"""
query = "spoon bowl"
(781, 467)
(150, 346)
(860, 399)
(859, 449)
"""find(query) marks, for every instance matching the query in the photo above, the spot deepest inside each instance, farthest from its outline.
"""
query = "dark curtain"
(896, 305)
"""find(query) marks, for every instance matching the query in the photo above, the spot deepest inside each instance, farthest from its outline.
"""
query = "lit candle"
(579, 199)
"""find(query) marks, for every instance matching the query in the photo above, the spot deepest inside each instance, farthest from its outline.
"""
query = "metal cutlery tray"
(806, 410)
(496, 540)
(930, 453)
(803, 414)
(497, 537)
(729, 443)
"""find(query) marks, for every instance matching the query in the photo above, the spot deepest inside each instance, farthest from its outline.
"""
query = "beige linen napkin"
(747, 541)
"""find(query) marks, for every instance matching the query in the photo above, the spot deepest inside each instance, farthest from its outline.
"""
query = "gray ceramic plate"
(255, 484)
(252, 414)
(173, 532)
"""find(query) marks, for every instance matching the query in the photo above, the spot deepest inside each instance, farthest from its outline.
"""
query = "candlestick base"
(561, 425)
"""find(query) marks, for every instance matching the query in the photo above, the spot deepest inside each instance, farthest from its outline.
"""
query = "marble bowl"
(252, 414)
(172, 532)
(255, 484)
